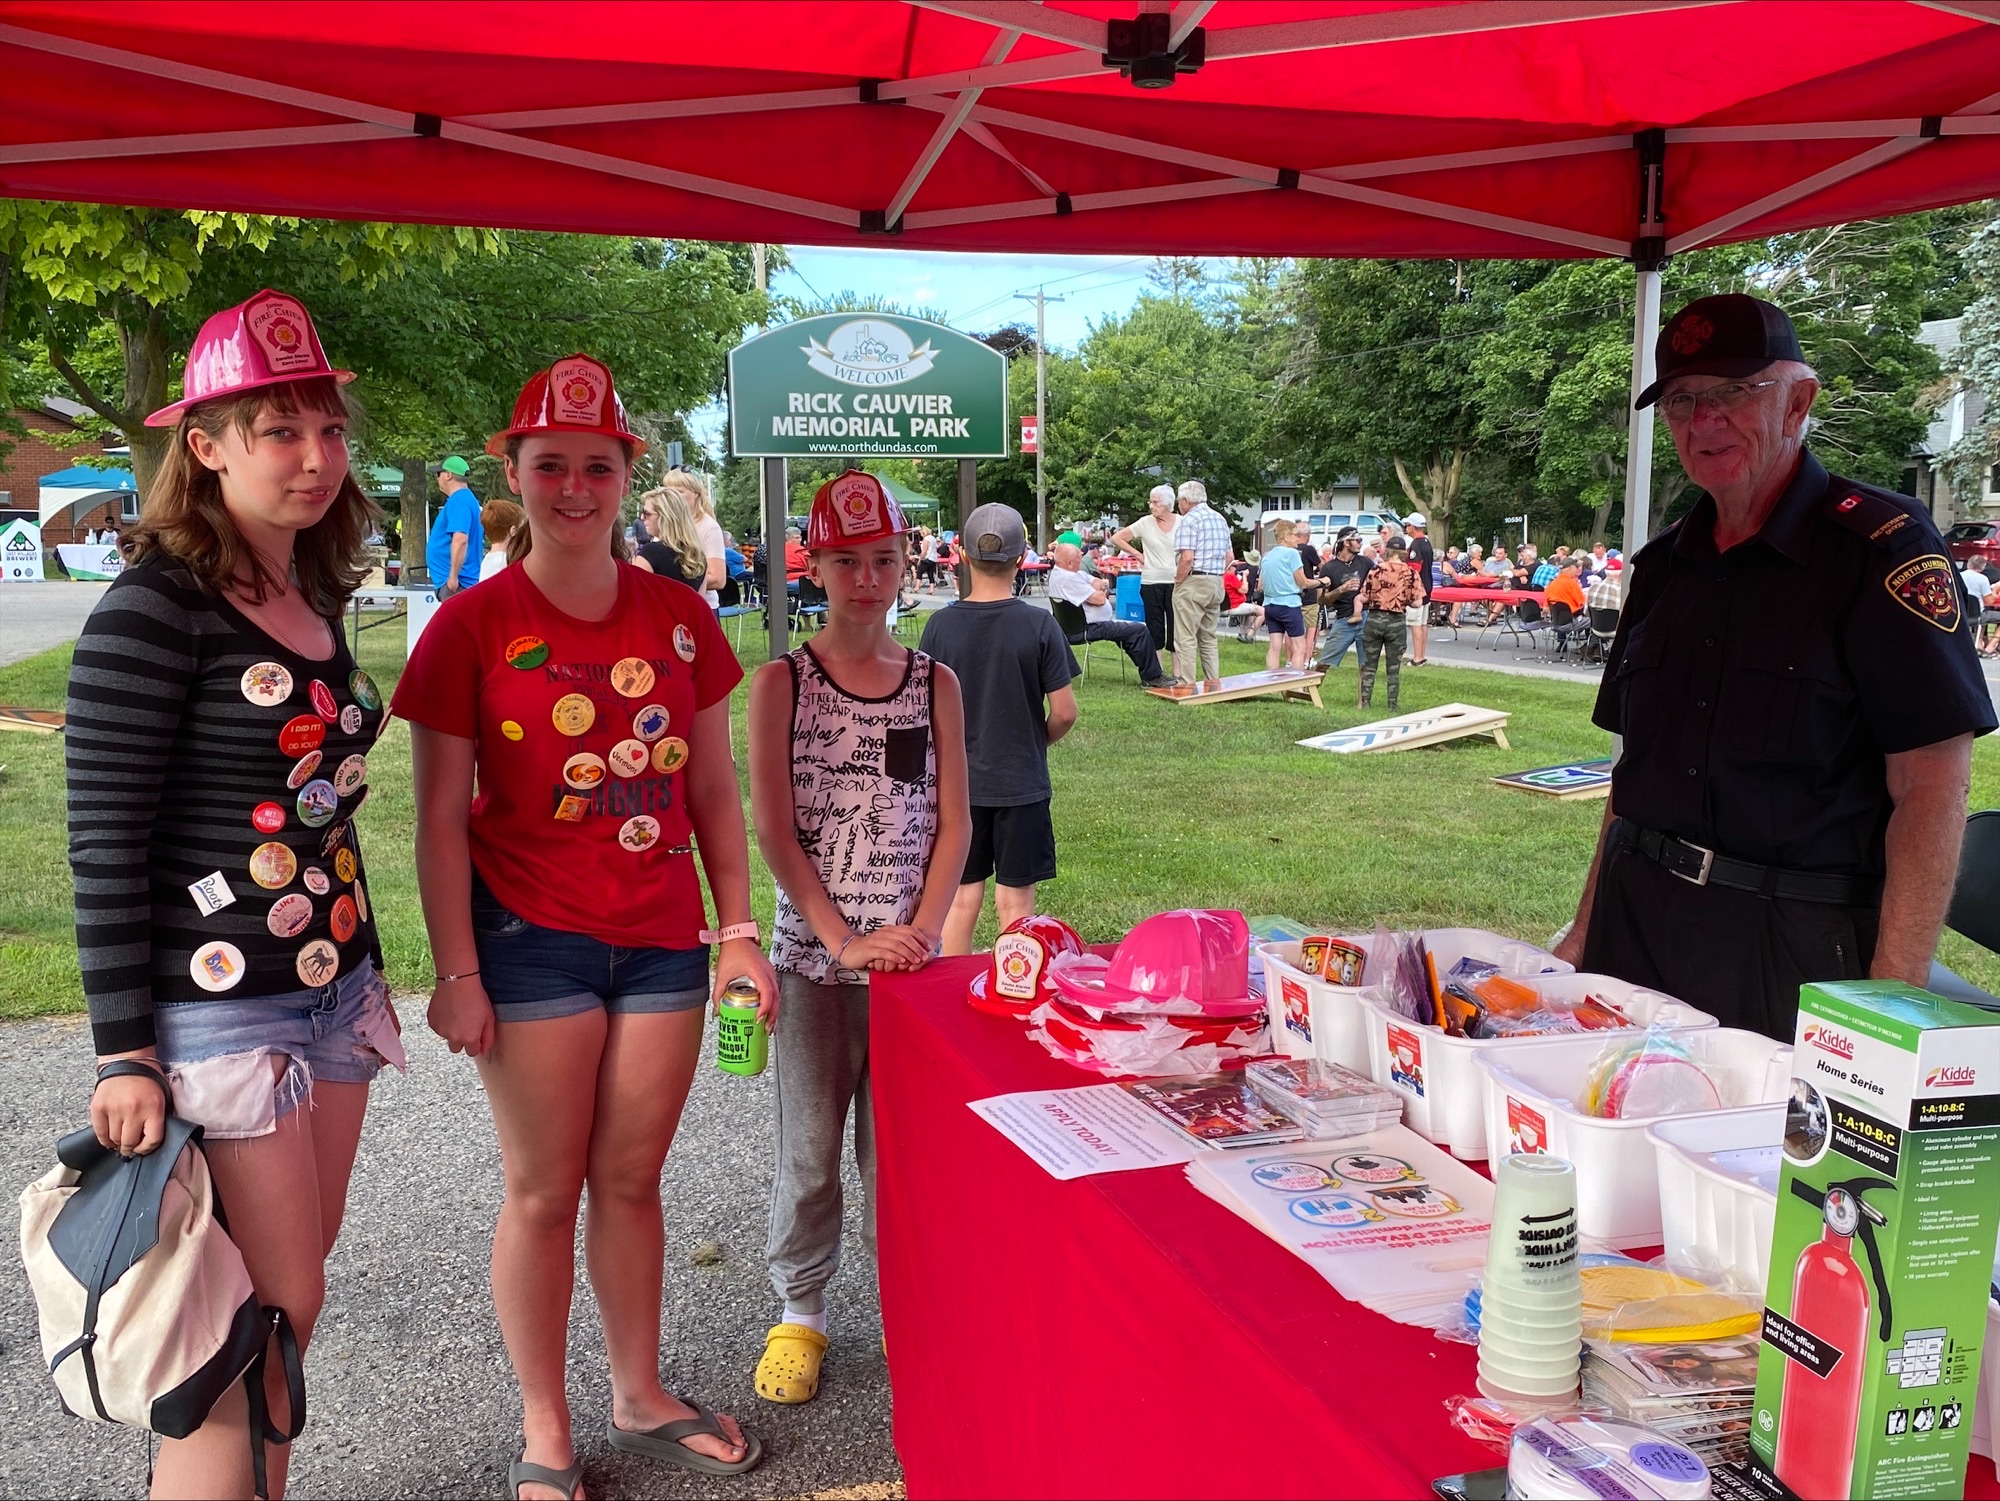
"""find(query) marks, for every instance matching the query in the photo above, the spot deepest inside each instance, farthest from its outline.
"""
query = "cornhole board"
(1289, 682)
(1575, 782)
(34, 721)
(1408, 731)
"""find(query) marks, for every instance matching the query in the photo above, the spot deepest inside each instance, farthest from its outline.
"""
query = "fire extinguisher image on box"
(1818, 1415)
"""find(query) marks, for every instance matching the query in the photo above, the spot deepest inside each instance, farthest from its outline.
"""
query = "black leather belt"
(1700, 866)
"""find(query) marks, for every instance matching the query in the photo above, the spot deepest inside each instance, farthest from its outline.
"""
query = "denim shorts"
(532, 973)
(218, 1054)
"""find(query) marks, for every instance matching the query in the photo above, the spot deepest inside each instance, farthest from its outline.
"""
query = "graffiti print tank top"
(864, 800)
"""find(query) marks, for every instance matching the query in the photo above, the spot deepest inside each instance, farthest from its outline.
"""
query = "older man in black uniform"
(1795, 682)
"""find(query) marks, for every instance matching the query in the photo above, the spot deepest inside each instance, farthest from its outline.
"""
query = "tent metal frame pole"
(1639, 432)
(777, 605)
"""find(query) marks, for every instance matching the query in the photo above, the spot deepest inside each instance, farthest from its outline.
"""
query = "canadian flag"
(1031, 436)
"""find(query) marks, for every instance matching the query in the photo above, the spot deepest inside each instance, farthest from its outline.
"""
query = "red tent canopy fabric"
(1309, 127)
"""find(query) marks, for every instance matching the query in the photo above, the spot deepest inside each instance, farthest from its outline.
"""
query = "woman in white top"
(707, 528)
(1154, 532)
(498, 519)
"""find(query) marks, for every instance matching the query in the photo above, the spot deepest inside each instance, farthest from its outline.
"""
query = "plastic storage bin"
(1332, 1020)
(1531, 1106)
(1719, 1188)
(1443, 1087)
(1309, 1016)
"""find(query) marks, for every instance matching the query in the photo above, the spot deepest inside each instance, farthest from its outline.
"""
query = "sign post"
(20, 553)
(847, 387)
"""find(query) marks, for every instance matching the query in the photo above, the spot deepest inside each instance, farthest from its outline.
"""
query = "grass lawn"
(1156, 806)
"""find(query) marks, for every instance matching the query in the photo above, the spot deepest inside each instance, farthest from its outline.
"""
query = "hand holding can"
(742, 1043)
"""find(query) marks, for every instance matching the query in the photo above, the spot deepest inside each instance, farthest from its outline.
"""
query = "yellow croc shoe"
(789, 1371)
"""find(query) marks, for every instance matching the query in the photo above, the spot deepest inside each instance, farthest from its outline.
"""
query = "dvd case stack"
(1215, 1110)
(1327, 1101)
(1697, 1394)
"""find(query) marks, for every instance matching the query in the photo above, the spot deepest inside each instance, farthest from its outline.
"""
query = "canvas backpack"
(147, 1312)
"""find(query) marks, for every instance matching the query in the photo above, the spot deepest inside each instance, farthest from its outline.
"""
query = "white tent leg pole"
(1639, 432)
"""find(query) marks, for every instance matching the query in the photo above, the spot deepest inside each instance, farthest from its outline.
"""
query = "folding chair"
(1564, 627)
(1525, 623)
(1076, 630)
(1603, 626)
(1975, 906)
(730, 606)
(809, 605)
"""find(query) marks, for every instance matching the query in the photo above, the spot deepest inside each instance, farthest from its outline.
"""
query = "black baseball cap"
(1731, 334)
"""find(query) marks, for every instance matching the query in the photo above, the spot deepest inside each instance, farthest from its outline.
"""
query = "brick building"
(32, 457)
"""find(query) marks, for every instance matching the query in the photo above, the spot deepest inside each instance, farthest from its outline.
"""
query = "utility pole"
(771, 505)
(1041, 428)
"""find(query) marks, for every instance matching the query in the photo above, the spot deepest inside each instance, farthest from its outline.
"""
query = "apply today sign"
(867, 384)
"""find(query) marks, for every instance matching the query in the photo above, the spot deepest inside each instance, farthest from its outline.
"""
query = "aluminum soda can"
(742, 1045)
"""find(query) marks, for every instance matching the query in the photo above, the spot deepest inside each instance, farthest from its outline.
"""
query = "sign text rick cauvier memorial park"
(867, 383)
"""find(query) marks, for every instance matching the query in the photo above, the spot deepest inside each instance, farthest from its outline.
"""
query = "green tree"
(75, 268)
(1162, 390)
(1380, 380)
(1978, 363)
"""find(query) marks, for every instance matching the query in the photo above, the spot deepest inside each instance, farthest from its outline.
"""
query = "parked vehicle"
(1974, 539)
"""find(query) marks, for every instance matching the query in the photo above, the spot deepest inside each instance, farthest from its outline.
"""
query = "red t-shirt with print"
(580, 821)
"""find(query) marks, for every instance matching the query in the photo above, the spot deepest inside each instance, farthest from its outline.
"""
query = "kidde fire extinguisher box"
(1887, 1212)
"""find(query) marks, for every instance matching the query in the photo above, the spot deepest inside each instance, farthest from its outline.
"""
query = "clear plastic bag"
(1644, 1075)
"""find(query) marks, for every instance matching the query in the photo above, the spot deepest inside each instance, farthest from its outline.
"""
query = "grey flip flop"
(521, 1473)
(665, 1442)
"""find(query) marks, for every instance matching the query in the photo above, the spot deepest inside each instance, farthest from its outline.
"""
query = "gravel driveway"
(409, 1388)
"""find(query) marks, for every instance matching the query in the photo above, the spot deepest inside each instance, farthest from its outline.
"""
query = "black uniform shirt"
(1759, 690)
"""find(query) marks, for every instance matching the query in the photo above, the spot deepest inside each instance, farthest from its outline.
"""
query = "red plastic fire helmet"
(267, 341)
(1017, 981)
(574, 395)
(850, 509)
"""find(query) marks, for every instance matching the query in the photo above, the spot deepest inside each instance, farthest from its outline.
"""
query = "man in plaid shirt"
(1202, 554)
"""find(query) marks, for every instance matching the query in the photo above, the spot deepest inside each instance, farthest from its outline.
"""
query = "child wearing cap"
(591, 700)
(217, 749)
(857, 784)
(1014, 668)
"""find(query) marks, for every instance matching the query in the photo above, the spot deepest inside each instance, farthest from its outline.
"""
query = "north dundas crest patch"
(1928, 588)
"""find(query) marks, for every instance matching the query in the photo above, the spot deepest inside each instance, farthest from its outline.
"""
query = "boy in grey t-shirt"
(1013, 668)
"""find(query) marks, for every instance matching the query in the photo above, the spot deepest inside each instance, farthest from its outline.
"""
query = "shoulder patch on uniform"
(1874, 517)
(1927, 587)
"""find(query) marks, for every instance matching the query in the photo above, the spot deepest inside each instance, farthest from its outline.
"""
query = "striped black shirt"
(213, 778)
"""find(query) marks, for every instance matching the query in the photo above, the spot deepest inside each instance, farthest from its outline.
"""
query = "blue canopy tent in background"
(76, 492)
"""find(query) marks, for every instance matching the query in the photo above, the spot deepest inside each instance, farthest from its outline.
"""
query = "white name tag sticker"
(211, 893)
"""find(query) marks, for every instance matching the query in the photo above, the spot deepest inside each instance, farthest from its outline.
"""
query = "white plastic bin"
(1334, 1023)
(1307, 1014)
(1532, 1096)
(1719, 1188)
(1438, 1075)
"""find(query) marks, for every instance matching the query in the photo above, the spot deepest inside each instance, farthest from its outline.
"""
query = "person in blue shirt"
(1284, 576)
(457, 541)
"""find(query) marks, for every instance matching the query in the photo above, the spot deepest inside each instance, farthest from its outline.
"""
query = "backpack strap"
(262, 1429)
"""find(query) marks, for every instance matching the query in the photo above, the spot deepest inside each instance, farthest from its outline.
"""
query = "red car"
(1974, 539)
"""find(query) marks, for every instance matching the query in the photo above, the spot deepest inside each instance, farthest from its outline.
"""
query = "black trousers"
(1731, 953)
(1135, 642)
(1158, 600)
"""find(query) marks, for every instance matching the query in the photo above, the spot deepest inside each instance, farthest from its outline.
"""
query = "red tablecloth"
(1119, 1335)
(1455, 594)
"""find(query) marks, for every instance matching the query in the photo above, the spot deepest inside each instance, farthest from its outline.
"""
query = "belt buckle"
(1700, 877)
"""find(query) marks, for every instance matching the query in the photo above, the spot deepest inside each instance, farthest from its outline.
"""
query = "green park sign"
(867, 384)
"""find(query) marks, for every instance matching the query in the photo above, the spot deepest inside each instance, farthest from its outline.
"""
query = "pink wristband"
(734, 930)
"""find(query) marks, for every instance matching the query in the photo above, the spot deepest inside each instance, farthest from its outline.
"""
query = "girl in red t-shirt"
(591, 699)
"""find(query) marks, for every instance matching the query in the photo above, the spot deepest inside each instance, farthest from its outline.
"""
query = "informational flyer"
(1392, 1222)
(1075, 1133)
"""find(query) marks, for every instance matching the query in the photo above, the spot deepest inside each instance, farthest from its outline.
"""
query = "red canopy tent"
(1631, 128)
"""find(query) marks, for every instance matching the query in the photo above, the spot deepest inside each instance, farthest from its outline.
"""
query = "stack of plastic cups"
(1531, 1305)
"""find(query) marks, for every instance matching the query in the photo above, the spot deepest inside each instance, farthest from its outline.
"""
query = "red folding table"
(1119, 1335)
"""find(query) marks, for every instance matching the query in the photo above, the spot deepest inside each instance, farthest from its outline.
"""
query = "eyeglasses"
(1682, 404)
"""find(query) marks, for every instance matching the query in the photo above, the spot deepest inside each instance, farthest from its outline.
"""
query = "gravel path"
(409, 1389)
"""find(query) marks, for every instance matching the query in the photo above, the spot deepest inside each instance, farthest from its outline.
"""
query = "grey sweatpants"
(821, 1050)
